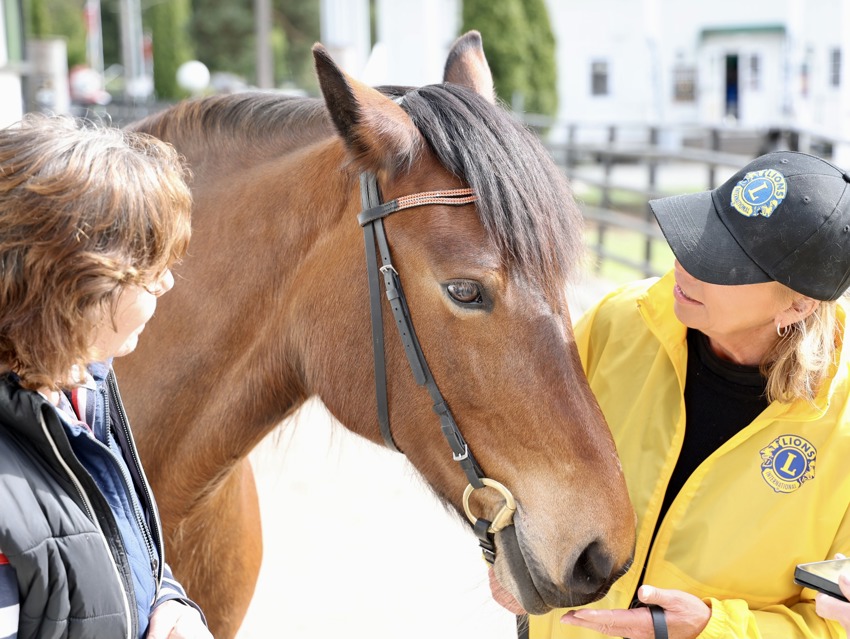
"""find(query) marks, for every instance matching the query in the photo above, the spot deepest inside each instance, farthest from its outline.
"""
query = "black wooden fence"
(591, 154)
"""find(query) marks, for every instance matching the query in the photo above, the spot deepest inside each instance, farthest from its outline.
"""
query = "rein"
(371, 219)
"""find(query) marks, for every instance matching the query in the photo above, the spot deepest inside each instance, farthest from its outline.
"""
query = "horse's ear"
(466, 65)
(375, 129)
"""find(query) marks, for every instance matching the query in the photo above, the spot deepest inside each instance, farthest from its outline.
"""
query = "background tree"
(37, 18)
(225, 37)
(223, 31)
(542, 69)
(111, 31)
(520, 48)
(301, 23)
(503, 28)
(58, 18)
(168, 23)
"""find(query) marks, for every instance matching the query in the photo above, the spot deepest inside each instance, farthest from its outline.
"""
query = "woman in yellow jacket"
(726, 386)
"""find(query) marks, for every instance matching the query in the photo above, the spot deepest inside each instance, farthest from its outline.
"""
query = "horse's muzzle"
(586, 579)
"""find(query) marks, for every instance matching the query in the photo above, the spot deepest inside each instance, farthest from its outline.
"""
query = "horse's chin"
(503, 597)
(525, 588)
(520, 584)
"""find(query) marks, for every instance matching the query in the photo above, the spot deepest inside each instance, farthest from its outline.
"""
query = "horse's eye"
(465, 292)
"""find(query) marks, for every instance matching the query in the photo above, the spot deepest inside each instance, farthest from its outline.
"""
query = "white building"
(412, 38)
(754, 65)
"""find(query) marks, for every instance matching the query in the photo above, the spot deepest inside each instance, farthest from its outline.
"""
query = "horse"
(272, 307)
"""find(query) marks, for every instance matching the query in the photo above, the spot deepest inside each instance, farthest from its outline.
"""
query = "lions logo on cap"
(787, 462)
(759, 193)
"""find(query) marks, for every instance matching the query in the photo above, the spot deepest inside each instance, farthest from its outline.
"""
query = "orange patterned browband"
(452, 197)
(449, 197)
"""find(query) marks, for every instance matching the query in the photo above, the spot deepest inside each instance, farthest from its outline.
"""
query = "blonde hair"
(85, 210)
(799, 362)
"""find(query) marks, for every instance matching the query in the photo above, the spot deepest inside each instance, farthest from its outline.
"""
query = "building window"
(835, 67)
(599, 77)
(684, 83)
(755, 72)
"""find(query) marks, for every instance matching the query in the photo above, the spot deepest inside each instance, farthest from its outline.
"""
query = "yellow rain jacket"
(774, 495)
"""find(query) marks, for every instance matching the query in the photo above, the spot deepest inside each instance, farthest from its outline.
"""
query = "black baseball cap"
(784, 217)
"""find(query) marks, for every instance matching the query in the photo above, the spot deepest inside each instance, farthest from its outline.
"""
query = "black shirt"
(721, 398)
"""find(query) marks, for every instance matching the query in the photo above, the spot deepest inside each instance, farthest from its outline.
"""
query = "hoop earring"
(782, 331)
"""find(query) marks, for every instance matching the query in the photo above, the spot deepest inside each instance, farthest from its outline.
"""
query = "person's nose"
(164, 283)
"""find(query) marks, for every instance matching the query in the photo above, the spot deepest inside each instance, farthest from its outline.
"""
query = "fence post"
(605, 203)
(651, 189)
(607, 165)
(570, 159)
(712, 168)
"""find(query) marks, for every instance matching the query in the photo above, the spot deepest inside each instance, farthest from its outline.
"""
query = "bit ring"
(504, 517)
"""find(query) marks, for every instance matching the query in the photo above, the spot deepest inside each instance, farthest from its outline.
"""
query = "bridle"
(371, 219)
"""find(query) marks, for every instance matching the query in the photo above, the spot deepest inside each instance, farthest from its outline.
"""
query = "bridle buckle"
(461, 456)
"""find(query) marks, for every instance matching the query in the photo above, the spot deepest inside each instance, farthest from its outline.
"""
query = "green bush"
(168, 23)
(58, 18)
(520, 48)
(542, 68)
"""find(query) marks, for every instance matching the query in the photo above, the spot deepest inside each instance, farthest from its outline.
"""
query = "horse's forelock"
(524, 200)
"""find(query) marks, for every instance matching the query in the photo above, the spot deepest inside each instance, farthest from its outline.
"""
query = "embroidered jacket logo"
(788, 462)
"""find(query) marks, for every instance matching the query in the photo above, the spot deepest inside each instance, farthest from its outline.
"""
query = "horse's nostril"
(592, 569)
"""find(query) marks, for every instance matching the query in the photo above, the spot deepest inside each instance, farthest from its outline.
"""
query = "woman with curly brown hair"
(91, 220)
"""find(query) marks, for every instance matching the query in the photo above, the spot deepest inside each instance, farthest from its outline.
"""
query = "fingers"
(844, 584)
(686, 615)
(190, 626)
(831, 608)
(672, 600)
(163, 619)
(175, 620)
(634, 623)
(653, 595)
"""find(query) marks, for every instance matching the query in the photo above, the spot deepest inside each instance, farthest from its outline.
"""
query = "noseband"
(372, 221)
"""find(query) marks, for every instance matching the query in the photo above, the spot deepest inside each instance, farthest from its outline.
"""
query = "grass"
(623, 243)
(620, 199)
(629, 245)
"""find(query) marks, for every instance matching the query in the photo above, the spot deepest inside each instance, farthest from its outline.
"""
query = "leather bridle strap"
(371, 219)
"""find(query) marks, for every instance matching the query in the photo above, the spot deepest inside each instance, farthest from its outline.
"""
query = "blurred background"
(634, 99)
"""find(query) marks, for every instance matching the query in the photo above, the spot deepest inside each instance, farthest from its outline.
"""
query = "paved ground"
(356, 544)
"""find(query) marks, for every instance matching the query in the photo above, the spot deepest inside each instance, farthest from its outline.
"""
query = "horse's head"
(485, 283)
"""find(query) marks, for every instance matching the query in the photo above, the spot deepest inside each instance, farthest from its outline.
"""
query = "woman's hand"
(686, 616)
(830, 607)
(175, 620)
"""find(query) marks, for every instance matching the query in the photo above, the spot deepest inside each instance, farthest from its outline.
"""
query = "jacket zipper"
(128, 481)
(90, 512)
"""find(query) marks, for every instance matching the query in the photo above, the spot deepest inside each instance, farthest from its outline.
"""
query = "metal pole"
(132, 50)
(265, 61)
(94, 36)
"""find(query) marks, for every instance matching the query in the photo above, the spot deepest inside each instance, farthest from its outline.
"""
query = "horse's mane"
(253, 120)
(524, 200)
